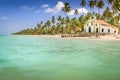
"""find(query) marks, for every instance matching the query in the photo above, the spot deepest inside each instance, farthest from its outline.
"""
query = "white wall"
(106, 29)
(93, 28)
(86, 28)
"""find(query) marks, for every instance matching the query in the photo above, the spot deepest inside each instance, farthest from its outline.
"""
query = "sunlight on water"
(36, 58)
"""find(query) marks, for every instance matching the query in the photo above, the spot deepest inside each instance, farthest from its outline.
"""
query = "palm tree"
(63, 24)
(114, 21)
(67, 19)
(82, 20)
(100, 5)
(53, 20)
(83, 4)
(118, 17)
(110, 2)
(116, 6)
(38, 25)
(117, 20)
(76, 12)
(66, 8)
(47, 27)
(88, 16)
(59, 18)
(60, 22)
(98, 16)
(92, 4)
(107, 15)
(41, 23)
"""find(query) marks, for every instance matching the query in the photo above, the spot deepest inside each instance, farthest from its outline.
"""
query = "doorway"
(89, 30)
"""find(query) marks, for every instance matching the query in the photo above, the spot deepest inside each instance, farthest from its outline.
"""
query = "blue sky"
(16, 15)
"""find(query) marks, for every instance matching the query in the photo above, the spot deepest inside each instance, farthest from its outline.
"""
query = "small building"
(99, 26)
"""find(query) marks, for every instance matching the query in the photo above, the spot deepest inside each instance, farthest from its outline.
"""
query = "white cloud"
(45, 5)
(57, 8)
(4, 18)
(37, 11)
(25, 7)
(80, 10)
(48, 10)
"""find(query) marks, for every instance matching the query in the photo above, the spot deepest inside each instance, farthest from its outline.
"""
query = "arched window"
(96, 30)
(89, 30)
(102, 30)
(96, 24)
(108, 30)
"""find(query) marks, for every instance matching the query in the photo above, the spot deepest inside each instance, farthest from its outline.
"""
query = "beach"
(106, 37)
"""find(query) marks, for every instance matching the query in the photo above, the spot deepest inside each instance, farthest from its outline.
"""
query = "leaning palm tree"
(82, 20)
(83, 4)
(100, 5)
(92, 4)
(47, 26)
(116, 6)
(116, 20)
(98, 16)
(41, 23)
(53, 20)
(88, 16)
(107, 15)
(76, 12)
(66, 8)
(110, 2)
(59, 18)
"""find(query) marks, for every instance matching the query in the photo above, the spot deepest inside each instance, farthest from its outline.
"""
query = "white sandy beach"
(107, 37)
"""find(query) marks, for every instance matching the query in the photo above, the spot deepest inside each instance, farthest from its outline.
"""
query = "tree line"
(67, 25)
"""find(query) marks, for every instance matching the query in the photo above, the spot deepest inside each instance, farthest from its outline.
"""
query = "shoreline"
(107, 37)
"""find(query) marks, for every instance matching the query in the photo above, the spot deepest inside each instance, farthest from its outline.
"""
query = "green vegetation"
(67, 25)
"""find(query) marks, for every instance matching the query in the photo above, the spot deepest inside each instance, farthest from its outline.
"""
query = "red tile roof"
(101, 22)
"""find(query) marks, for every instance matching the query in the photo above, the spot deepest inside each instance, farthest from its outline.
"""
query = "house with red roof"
(99, 26)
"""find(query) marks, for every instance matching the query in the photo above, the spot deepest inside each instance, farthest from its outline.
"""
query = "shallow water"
(36, 58)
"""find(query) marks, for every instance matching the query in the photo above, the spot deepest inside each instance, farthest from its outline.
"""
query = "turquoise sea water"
(36, 58)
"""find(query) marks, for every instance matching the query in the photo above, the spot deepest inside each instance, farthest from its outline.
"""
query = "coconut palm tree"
(92, 4)
(113, 21)
(117, 20)
(66, 8)
(107, 15)
(47, 27)
(67, 19)
(41, 23)
(59, 18)
(98, 16)
(76, 12)
(82, 20)
(88, 16)
(38, 25)
(100, 5)
(110, 2)
(116, 6)
(83, 4)
(63, 24)
(118, 17)
(53, 20)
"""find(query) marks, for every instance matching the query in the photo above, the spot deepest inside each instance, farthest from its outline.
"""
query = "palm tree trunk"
(99, 10)
(82, 11)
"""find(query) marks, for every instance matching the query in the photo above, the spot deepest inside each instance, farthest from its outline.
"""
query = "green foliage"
(67, 25)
